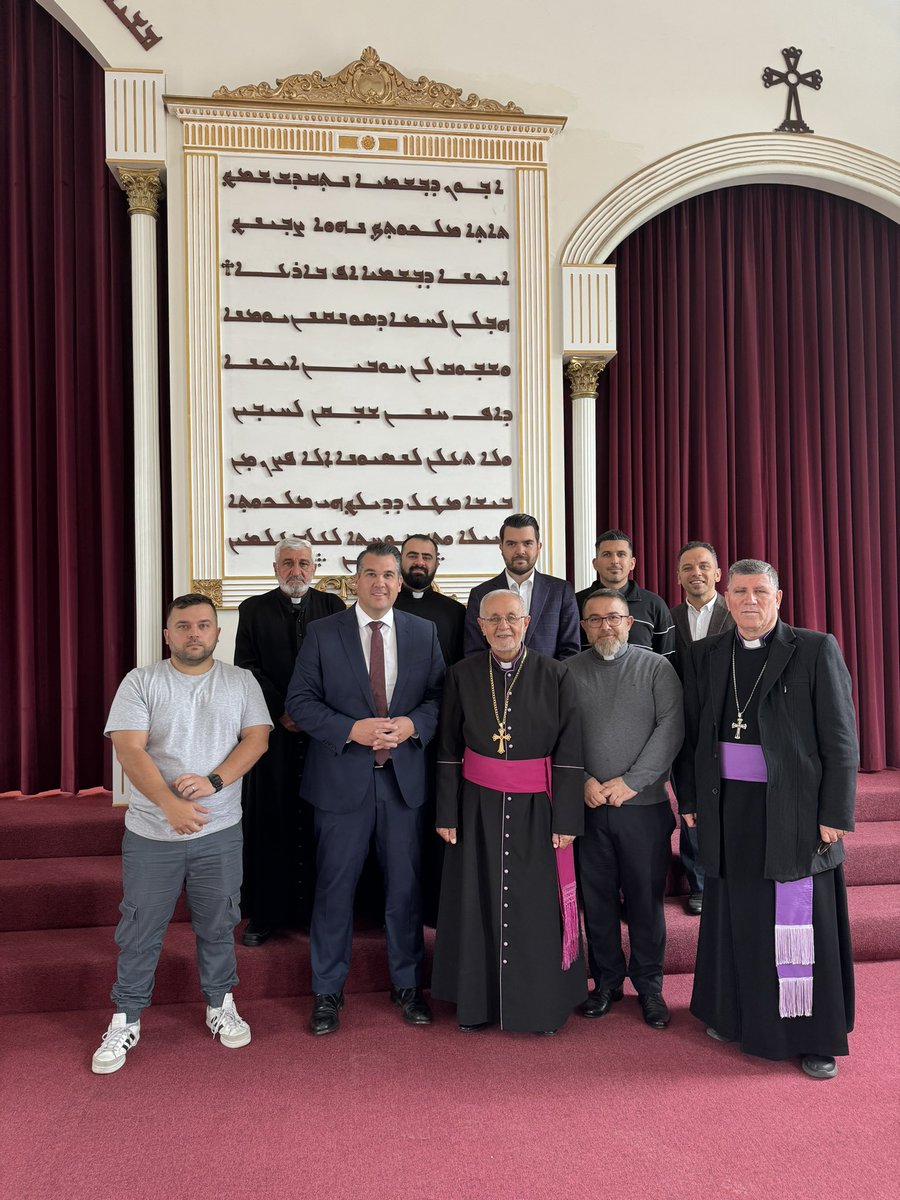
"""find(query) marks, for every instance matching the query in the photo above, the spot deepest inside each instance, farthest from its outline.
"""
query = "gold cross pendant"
(501, 736)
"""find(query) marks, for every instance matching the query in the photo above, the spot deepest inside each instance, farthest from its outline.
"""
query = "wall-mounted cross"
(793, 120)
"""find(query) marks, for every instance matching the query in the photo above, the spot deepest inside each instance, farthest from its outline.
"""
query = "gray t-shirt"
(194, 723)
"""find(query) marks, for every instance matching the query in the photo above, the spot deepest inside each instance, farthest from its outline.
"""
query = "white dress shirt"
(389, 640)
(699, 619)
(523, 590)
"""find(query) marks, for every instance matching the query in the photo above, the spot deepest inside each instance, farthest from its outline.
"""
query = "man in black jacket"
(768, 775)
(279, 847)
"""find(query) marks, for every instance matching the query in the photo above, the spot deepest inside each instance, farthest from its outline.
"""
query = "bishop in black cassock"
(768, 774)
(499, 945)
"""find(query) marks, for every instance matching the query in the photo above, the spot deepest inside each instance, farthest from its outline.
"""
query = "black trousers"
(627, 848)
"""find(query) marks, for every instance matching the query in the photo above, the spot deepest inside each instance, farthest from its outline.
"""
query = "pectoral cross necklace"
(501, 736)
(740, 724)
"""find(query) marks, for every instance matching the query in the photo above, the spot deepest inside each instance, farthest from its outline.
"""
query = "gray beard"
(295, 589)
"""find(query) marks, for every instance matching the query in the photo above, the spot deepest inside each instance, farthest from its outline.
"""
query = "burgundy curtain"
(65, 399)
(752, 404)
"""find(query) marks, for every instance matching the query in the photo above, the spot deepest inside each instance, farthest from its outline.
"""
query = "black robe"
(498, 951)
(735, 981)
(279, 845)
(449, 618)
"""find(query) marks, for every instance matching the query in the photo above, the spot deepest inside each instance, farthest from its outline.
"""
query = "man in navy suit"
(366, 689)
(548, 601)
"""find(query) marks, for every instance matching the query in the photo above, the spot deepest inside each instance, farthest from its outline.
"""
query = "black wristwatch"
(216, 781)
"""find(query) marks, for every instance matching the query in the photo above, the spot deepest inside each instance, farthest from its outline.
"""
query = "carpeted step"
(878, 796)
(873, 854)
(63, 893)
(55, 969)
(59, 824)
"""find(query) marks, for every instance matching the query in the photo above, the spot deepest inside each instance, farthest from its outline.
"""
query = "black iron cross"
(793, 120)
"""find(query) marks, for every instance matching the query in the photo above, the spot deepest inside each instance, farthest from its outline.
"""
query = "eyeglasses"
(614, 620)
(510, 619)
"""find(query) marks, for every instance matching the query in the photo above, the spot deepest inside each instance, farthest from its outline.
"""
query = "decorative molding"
(135, 118)
(812, 161)
(211, 588)
(143, 188)
(370, 83)
(342, 585)
(589, 311)
(583, 375)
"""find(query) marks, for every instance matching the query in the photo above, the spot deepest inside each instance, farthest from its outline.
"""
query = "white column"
(143, 188)
(583, 375)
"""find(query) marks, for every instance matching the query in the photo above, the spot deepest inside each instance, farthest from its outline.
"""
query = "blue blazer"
(330, 690)
(553, 629)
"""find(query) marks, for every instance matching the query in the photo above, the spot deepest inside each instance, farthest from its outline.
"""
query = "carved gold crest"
(370, 83)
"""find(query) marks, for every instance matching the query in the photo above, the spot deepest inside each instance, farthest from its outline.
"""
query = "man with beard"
(614, 561)
(768, 776)
(279, 846)
(508, 945)
(418, 565)
(548, 602)
(703, 613)
(633, 724)
(185, 730)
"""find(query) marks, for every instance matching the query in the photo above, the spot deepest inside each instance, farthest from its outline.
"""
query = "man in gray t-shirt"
(633, 725)
(185, 731)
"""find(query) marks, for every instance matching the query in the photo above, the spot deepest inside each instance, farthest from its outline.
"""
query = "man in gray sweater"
(633, 726)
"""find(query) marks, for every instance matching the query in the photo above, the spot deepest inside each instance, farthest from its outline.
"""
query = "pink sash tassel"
(534, 775)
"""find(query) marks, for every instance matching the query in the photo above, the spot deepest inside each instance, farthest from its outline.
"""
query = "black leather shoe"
(819, 1066)
(546, 1032)
(599, 1001)
(414, 1005)
(256, 933)
(326, 1006)
(716, 1036)
(655, 1010)
(475, 1028)
(694, 904)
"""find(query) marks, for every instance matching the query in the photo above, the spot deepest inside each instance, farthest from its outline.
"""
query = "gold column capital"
(142, 187)
(210, 588)
(583, 374)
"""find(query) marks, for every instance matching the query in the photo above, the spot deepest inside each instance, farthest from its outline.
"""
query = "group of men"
(543, 767)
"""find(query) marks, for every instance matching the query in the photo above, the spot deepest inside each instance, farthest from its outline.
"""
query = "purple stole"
(533, 775)
(794, 950)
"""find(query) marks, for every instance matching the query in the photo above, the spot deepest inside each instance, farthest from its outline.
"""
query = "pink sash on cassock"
(533, 775)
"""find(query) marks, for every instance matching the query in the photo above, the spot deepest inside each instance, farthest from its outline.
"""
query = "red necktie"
(376, 681)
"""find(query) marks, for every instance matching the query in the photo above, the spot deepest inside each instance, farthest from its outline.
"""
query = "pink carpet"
(382, 1112)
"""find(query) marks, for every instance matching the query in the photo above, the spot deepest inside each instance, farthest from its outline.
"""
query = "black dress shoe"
(546, 1032)
(414, 1005)
(477, 1028)
(326, 1006)
(256, 933)
(599, 1001)
(819, 1066)
(694, 904)
(655, 1010)
(716, 1036)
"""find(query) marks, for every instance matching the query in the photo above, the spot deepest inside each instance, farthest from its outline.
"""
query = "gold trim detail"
(369, 82)
(583, 374)
(343, 585)
(143, 189)
(211, 588)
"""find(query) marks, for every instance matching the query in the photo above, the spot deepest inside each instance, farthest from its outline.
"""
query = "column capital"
(142, 187)
(583, 374)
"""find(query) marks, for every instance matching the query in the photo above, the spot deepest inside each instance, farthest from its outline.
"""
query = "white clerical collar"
(619, 651)
(417, 595)
(755, 643)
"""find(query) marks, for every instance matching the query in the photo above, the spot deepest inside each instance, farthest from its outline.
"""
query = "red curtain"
(752, 404)
(65, 399)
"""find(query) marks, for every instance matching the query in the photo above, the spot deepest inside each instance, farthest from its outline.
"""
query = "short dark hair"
(380, 550)
(188, 601)
(753, 566)
(419, 537)
(521, 521)
(699, 546)
(604, 594)
(615, 535)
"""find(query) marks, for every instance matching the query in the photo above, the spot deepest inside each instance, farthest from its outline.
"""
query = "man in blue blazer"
(366, 689)
(549, 602)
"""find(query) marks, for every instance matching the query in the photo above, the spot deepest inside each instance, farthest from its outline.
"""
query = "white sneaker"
(116, 1042)
(226, 1021)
